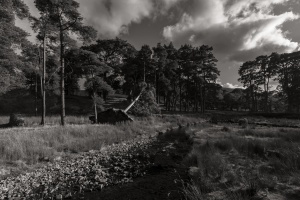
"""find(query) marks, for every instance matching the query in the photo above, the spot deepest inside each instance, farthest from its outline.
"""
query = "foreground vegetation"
(32, 144)
(228, 162)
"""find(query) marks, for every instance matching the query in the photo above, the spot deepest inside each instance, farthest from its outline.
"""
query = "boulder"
(16, 120)
(111, 116)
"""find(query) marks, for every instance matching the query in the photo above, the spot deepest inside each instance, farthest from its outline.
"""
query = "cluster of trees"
(58, 20)
(182, 79)
(11, 37)
(281, 69)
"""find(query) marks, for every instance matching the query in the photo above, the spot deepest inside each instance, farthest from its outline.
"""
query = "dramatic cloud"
(237, 30)
(113, 17)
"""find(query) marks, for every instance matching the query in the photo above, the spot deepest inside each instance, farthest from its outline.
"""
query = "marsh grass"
(290, 135)
(192, 191)
(246, 159)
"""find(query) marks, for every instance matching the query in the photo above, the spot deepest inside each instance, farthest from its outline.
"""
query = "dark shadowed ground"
(163, 180)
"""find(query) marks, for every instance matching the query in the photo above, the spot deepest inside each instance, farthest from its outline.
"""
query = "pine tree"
(65, 16)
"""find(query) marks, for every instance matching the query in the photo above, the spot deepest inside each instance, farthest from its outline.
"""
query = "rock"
(111, 116)
(16, 120)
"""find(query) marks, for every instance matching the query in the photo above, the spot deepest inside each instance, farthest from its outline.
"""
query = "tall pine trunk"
(201, 98)
(44, 83)
(204, 99)
(180, 97)
(95, 109)
(62, 78)
(36, 94)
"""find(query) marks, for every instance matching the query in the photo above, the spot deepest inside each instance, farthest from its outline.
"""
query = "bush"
(146, 105)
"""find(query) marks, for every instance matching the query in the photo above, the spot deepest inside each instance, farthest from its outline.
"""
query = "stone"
(111, 116)
(16, 120)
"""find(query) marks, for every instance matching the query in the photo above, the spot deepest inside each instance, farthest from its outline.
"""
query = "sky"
(238, 30)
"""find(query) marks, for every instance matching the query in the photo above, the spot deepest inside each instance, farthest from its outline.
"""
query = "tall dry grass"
(276, 150)
(50, 120)
(32, 143)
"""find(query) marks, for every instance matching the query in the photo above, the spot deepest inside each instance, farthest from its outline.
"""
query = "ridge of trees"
(284, 69)
(179, 79)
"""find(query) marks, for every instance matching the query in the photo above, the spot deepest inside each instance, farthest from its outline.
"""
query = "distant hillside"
(231, 89)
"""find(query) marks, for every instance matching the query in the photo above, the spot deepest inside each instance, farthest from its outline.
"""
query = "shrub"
(192, 192)
(146, 105)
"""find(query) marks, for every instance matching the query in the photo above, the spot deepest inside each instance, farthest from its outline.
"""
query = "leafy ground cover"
(157, 157)
(90, 171)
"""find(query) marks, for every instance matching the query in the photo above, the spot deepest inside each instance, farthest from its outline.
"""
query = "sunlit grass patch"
(33, 142)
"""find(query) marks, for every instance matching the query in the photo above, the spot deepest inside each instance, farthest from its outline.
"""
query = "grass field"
(227, 161)
(33, 143)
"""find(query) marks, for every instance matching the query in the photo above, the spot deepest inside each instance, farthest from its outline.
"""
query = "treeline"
(283, 71)
(178, 79)
(182, 79)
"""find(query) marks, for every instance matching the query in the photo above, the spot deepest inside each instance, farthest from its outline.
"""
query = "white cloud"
(228, 85)
(234, 28)
(111, 17)
(232, 86)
